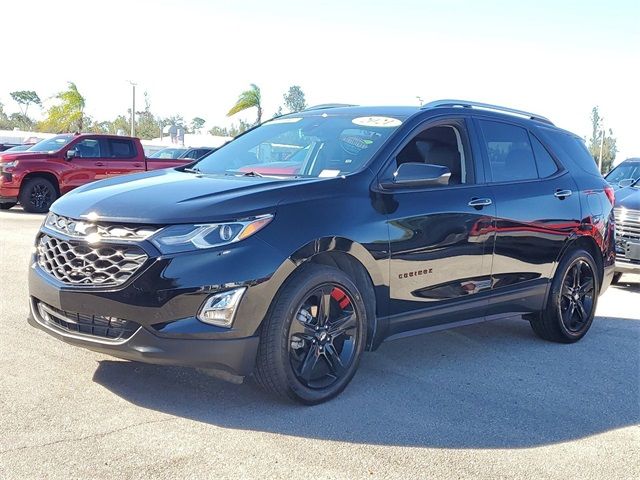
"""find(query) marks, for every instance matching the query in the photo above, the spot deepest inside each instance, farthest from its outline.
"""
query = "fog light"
(220, 309)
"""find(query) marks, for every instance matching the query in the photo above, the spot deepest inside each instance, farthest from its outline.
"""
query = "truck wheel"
(313, 336)
(572, 300)
(7, 206)
(616, 278)
(37, 194)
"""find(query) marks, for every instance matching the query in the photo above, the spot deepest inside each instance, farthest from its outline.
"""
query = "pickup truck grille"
(627, 231)
(79, 263)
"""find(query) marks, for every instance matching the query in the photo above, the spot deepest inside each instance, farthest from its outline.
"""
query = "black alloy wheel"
(576, 304)
(572, 300)
(322, 338)
(313, 336)
(37, 195)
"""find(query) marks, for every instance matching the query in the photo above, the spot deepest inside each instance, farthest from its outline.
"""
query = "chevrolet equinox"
(316, 235)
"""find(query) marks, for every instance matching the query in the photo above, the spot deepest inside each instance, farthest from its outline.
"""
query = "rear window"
(121, 148)
(509, 150)
(570, 148)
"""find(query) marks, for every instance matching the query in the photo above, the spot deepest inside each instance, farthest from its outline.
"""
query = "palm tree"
(248, 99)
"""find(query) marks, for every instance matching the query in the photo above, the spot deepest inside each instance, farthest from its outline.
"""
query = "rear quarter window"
(571, 150)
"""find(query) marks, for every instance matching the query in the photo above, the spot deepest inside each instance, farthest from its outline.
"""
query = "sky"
(556, 58)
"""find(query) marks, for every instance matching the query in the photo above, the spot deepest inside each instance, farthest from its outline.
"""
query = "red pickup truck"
(52, 167)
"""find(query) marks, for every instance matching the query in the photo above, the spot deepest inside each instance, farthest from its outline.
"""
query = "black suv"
(320, 234)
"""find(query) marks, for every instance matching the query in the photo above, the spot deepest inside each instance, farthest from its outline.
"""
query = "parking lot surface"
(483, 401)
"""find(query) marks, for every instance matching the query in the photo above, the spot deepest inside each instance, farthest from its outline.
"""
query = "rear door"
(124, 157)
(441, 239)
(89, 163)
(537, 210)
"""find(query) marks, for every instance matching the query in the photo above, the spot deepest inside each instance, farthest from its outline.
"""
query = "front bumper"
(234, 356)
(163, 299)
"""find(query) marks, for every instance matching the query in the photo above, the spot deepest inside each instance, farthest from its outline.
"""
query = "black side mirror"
(71, 153)
(419, 175)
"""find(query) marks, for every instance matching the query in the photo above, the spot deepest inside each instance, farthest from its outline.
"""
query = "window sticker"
(329, 173)
(377, 122)
(278, 121)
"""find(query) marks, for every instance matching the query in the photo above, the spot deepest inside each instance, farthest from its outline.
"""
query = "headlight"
(183, 238)
(4, 166)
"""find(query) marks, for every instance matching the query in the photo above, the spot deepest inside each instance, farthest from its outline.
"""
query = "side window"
(546, 165)
(121, 148)
(570, 148)
(443, 145)
(88, 148)
(509, 151)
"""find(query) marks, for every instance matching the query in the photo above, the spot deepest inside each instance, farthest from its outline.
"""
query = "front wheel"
(37, 194)
(572, 300)
(313, 336)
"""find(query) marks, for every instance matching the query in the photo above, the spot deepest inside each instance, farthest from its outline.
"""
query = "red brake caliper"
(340, 297)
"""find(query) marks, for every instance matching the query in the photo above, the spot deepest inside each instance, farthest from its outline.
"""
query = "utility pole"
(133, 109)
(601, 148)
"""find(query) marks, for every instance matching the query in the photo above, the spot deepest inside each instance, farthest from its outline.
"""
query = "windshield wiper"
(192, 170)
(252, 173)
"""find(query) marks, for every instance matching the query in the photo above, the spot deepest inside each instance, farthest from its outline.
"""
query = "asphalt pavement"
(484, 401)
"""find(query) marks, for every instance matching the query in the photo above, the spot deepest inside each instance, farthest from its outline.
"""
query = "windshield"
(171, 153)
(626, 171)
(52, 144)
(310, 146)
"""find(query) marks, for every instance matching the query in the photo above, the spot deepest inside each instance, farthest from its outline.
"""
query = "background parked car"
(20, 148)
(627, 212)
(624, 174)
(197, 153)
(169, 153)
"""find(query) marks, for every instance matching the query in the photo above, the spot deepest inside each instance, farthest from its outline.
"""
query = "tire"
(296, 348)
(563, 320)
(37, 194)
(616, 278)
(7, 206)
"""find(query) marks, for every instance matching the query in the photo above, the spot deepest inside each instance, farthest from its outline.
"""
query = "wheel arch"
(587, 243)
(356, 261)
(42, 174)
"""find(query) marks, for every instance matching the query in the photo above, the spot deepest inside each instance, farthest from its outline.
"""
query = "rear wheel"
(313, 337)
(7, 206)
(572, 301)
(37, 194)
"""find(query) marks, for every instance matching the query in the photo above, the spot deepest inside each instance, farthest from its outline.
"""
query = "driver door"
(89, 163)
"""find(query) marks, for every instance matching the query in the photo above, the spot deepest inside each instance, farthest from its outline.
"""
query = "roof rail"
(329, 105)
(485, 106)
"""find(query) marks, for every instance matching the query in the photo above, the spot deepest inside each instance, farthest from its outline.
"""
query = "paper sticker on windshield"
(377, 122)
(329, 173)
(284, 120)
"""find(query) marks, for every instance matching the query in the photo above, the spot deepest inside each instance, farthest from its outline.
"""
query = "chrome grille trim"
(83, 264)
(98, 231)
(627, 230)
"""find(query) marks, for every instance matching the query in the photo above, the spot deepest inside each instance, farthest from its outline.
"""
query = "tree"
(68, 114)
(5, 123)
(248, 99)
(147, 126)
(601, 140)
(196, 124)
(294, 99)
(24, 98)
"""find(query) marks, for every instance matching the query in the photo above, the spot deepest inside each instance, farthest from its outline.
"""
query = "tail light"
(611, 195)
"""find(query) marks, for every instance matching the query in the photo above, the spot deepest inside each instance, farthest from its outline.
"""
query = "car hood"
(173, 196)
(25, 155)
(628, 198)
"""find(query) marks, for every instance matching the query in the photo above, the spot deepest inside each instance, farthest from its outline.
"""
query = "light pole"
(133, 108)
(601, 148)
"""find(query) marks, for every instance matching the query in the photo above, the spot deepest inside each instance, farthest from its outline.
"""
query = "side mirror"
(419, 175)
(626, 182)
(71, 153)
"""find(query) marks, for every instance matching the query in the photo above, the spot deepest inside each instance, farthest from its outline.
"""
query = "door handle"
(99, 164)
(562, 194)
(480, 202)
(137, 164)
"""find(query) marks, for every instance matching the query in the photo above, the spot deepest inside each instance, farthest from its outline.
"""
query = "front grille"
(99, 231)
(627, 231)
(78, 263)
(107, 328)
